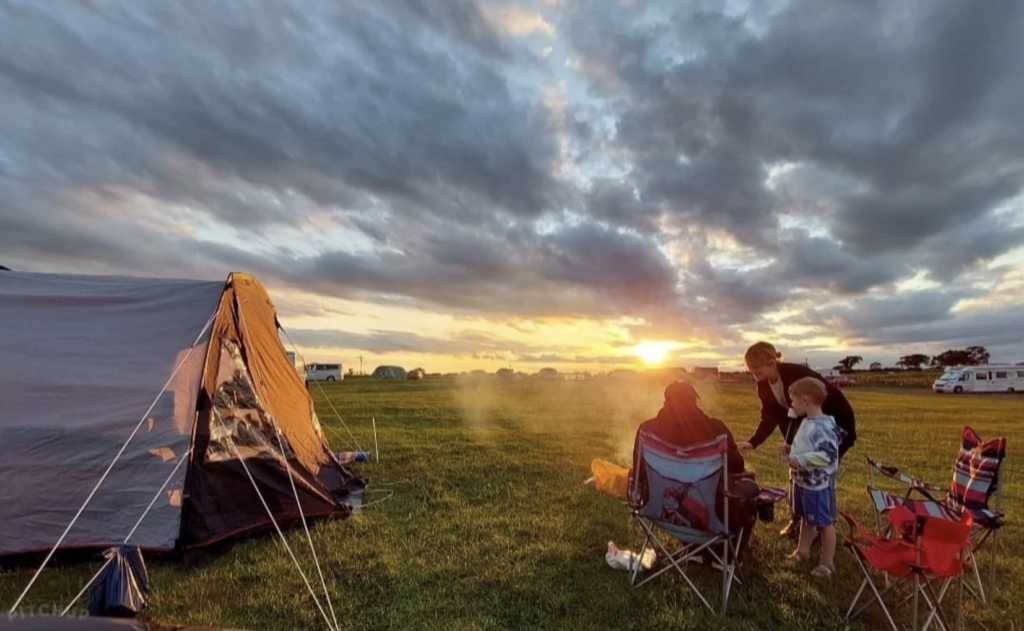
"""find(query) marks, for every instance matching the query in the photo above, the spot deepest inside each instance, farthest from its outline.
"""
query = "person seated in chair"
(682, 423)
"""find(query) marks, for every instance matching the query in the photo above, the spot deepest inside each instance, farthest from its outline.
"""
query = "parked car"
(840, 381)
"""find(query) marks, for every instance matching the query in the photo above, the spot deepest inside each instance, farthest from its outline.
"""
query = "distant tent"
(190, 379)
(417, 373)
(706, 372)
(504, 373)
(389, 372)
(548, 373)
(623, 374)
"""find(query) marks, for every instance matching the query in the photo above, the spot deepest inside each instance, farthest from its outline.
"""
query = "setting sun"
(653, 352)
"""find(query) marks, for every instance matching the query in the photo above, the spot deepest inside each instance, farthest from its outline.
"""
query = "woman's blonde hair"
(760, 354)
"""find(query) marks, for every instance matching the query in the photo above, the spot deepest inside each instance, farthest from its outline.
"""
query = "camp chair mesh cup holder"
(674, 490)
(977, 480)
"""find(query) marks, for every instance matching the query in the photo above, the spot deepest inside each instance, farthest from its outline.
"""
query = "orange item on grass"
(609, 477)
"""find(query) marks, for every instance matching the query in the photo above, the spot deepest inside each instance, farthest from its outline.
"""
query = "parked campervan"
(987, 378)
(323, 372)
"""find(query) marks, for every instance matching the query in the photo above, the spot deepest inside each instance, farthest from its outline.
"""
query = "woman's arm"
(769, 422)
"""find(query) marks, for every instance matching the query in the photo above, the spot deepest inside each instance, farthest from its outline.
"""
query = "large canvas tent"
(389, 372)
(172, 399)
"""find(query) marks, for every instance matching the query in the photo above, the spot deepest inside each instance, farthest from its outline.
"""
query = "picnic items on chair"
(976, 480)
(921, 550)
(683, 493)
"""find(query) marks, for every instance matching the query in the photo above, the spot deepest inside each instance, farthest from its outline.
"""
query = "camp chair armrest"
(927, 490)
(895, 474)
(855, 529)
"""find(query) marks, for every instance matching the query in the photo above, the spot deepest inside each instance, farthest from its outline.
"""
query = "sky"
(585, 185)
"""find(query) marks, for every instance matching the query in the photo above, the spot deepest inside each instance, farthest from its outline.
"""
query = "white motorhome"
(987, 378)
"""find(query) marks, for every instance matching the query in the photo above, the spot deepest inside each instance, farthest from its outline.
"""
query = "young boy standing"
(813, 461)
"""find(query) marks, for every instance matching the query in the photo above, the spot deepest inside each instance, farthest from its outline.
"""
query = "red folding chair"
(918, 551)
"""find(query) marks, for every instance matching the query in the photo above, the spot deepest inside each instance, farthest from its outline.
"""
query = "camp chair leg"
(935, 605)
(935, 609)
(725, 576)
(960, 604)
(917, 591)
(729, 571)
(675, 563)
(977, 579)
(856, 597)
(992, 569)
(636, 566)
(878, 595)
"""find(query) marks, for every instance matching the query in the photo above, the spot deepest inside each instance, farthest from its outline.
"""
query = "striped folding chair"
(673, 491)
(976, 483)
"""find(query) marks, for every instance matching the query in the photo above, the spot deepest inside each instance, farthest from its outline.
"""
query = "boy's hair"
(809, 387)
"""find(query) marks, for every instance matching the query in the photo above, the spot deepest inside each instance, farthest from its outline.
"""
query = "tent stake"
(376, 454)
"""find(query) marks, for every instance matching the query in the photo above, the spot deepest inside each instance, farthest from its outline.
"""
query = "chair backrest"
(976, 471)
(682, 483)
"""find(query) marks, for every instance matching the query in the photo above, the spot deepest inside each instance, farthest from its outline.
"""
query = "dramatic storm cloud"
(425, 177)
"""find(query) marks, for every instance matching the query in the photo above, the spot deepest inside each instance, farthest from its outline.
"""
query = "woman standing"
(773, 380)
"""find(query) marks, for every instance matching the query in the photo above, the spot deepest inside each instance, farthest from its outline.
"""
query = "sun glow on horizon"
(653, 352)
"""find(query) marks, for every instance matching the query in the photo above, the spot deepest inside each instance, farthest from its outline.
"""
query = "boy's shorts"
(818, 508)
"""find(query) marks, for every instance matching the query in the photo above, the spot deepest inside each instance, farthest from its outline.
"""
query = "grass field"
(491, 527)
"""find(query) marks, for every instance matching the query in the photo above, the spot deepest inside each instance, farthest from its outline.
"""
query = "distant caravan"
(987, 378)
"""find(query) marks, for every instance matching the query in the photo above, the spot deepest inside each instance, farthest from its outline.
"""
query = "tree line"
(970, 356)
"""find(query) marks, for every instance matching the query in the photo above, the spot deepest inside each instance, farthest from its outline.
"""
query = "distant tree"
(978, 355)
(913, 362)
(876, 365)
(970, 356)
(952, 357)
(850, 361)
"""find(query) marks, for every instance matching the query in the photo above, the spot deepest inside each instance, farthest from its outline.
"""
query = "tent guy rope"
(273, 521)
(323, 392)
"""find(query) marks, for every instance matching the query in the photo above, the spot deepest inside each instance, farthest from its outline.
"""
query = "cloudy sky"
(467, 185)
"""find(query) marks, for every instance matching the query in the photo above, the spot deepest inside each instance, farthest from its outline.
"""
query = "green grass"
(490, 526)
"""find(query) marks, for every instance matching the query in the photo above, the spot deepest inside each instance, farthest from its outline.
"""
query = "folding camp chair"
(976, 480)
(673, 490)
(919, 551)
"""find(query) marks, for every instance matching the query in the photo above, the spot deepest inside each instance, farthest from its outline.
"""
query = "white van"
(324, 372)
(989, 378)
